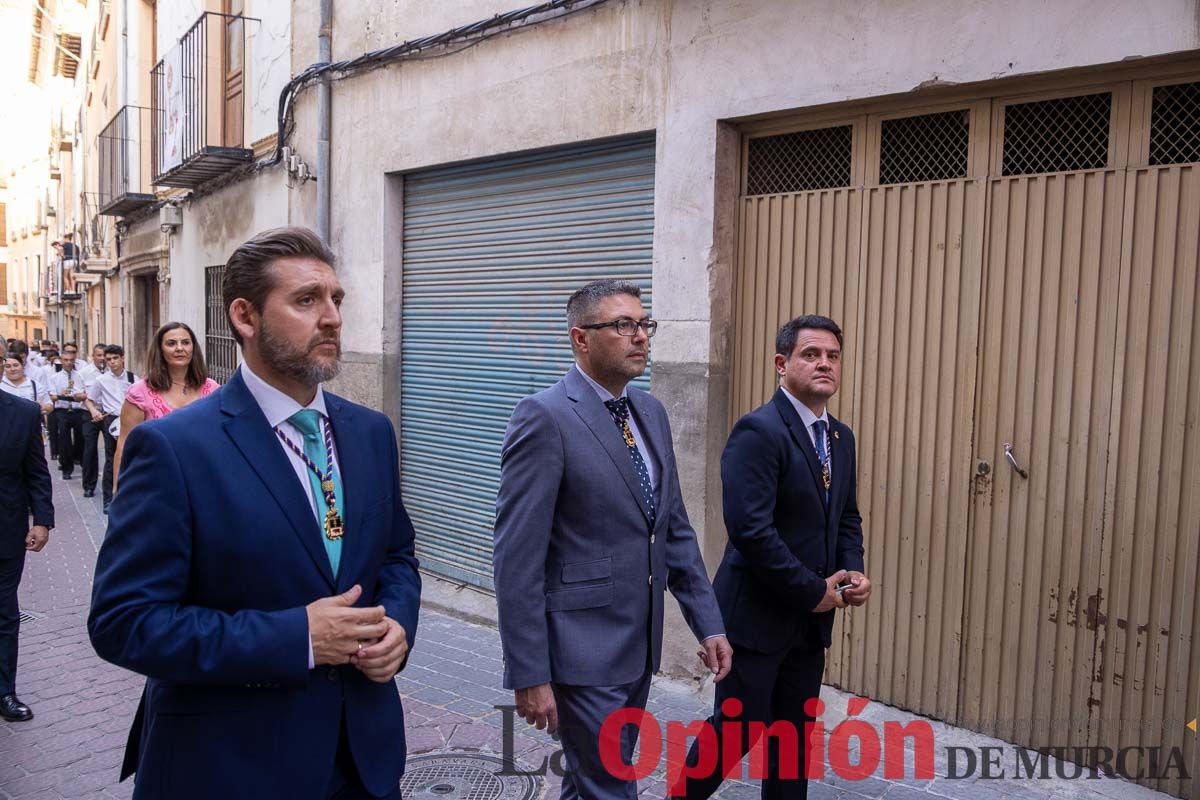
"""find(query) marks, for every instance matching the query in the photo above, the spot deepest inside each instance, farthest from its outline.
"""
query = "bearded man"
(259, 568)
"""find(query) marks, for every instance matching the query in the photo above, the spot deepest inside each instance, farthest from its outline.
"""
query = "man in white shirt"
(105, 397)
(91, 432)
(68, 393)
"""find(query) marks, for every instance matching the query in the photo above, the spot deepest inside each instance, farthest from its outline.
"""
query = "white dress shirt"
(809, 419)
(89, 373)
(58, 385)
(605, 394)
(107, 391)
(26, 389)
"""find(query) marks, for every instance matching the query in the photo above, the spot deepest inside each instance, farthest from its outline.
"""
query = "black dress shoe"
(66, 475)
(14, 710)
(89, 492)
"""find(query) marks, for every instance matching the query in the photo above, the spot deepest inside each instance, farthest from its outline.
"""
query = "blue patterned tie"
(822, 454)
(619, 409)
(308, 421)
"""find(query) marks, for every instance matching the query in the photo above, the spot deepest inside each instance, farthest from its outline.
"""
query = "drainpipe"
(324, 121)
(123, 56)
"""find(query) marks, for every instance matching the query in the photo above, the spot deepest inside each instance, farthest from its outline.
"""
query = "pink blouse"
(153, 404)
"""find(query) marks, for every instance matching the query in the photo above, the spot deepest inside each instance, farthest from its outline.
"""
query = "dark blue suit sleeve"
(37, 475)
(850, 537)
(139, 618)
(531, 468)
(399, 587)
(750, 479)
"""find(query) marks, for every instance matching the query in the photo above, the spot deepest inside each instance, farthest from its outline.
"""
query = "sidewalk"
(83, 706)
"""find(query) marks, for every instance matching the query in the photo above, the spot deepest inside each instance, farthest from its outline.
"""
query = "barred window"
(220, 348)
(1175, 124)
(929, 147)
(1066, 133)
(796, 162)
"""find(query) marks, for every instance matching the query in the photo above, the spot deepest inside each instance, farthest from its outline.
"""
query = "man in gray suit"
(590, 528)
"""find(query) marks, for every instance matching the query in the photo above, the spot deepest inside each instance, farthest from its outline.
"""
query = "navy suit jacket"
(783, 540)
(24, 477)
(212, 554)
(579, 572)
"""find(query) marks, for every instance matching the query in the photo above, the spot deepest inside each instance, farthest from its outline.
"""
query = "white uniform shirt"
(59, 383)
(26, 389)
(107, 392)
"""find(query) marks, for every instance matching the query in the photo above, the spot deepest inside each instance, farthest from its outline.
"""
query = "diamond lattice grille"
(1175, 124)
(1067, 133)
(929, 147)
(800, 161)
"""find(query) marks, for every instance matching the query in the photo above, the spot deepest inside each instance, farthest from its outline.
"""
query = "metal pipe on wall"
(324, 121)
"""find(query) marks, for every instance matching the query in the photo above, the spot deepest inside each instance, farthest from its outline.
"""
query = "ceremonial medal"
(333, 525)
(825, 476)
(627, 432)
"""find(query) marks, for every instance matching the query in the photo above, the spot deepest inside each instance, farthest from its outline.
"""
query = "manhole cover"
(464, 776)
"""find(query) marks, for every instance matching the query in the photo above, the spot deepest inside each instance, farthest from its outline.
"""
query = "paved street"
(73, 747)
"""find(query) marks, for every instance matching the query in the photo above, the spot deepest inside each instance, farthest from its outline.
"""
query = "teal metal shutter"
(492, 251)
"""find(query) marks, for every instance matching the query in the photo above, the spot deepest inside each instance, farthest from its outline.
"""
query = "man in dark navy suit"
(259, 567)
(24, 490)
(795, 550)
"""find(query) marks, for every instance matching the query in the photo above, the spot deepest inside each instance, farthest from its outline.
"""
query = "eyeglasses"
(626, 326)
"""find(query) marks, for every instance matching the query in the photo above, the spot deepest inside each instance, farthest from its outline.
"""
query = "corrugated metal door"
(922, 255)
(1047, 349)
(492, 251)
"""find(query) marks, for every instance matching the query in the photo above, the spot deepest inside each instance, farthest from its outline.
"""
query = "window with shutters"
(4, 285)
(1058, 135)
(820, 158)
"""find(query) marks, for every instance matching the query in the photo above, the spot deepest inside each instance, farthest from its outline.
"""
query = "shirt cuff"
(714, 636)
(311, 661)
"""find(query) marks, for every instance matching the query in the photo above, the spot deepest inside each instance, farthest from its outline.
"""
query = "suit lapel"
(841, 465)
(248, 429)
(800, 436)
(342, 422)
(592, 411)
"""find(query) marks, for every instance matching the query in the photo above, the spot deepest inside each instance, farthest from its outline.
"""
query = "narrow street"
(83, 706)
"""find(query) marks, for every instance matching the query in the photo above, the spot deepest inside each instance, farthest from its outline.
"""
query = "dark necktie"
(823, 455)
(619, 409)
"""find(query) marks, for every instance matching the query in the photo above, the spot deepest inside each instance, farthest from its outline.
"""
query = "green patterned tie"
(308, 422)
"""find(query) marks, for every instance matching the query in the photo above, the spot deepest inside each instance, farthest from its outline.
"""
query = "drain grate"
(29, 617)
(464, 776)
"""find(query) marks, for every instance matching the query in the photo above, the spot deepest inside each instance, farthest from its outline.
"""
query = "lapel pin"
(835, 435)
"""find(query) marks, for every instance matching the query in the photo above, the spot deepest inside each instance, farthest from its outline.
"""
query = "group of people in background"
(96, 401)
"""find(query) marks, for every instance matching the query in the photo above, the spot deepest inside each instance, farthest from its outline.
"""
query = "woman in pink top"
(175, 376)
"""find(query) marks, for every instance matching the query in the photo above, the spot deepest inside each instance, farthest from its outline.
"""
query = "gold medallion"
(333, 525)
(825, 476)
(627, 432)
(326, 486)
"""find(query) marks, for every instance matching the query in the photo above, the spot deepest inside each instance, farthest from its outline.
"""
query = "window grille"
(220, 348)
(929, 147)
(1066, 133)
(1175, 124)
(800, 161)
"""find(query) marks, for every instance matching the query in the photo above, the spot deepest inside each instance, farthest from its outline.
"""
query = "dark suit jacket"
(783, 540)
(211, 555)
(24, 477)
(579, 573)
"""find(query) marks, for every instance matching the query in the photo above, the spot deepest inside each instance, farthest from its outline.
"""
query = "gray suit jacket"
(579, 574)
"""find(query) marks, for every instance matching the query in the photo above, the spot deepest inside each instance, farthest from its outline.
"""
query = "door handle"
(1012, 460)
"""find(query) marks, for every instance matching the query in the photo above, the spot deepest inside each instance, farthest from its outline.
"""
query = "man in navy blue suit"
(24, 490)
(259, 567)
(795, 552)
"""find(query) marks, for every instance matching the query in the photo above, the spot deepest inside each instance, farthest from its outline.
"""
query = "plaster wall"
(679, 68)
(212, 227)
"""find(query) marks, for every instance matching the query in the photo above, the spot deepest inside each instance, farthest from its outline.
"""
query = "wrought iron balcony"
(124, 162)
(199, 107)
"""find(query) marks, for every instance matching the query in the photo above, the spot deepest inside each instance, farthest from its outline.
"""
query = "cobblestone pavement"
(83, 706)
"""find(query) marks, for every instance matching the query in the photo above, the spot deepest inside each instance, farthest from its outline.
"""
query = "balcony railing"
(124, 161)
(199, 107)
